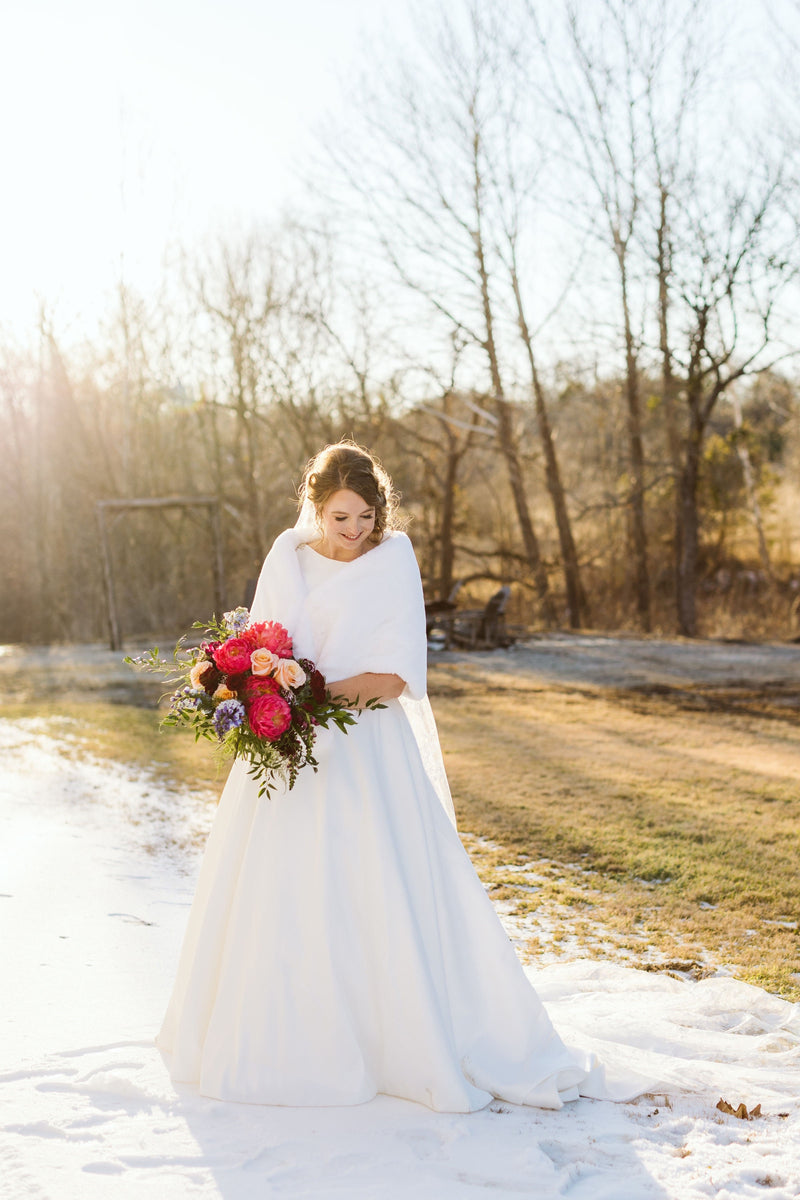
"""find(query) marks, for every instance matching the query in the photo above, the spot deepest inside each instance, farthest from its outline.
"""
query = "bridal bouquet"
(243, 689)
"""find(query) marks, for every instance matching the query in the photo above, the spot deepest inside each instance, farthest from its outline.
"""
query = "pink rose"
(269, 635)
(269, 717)
(263, 662)
(288, 673)
(233, 656)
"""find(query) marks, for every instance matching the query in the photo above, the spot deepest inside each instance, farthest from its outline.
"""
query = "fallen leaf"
(740, 1112)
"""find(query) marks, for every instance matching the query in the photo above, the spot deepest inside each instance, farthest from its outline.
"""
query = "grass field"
(676, 830)
(614, 823)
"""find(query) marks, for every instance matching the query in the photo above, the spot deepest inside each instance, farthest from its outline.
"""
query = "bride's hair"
(346, 465)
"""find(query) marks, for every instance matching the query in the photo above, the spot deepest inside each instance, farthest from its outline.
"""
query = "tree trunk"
(446, 519)
(686, 573)
(506, 433)
(529, 540)
(750, 485)
(510, 453)
(636, 450)
(577, 608)
(669, 384)
(246, 442)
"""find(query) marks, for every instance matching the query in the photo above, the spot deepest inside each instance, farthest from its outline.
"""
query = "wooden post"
(120, 506)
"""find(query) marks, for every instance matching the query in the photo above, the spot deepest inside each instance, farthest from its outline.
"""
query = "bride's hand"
(370, 685)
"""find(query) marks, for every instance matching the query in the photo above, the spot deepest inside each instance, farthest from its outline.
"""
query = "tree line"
(549, 275)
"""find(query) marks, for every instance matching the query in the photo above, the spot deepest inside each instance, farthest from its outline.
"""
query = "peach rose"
(224, 693)
(263, 662)
(204, 675)
(289, 673)
(198, 672)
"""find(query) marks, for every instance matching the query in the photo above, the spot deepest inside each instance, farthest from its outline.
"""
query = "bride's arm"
(357, 689)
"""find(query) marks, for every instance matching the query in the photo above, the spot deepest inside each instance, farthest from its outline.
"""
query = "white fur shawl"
(368, 616)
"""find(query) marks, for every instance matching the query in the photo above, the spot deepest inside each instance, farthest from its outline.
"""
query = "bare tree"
(238, 293)
(733, 268)
(594, 95)
(426, 174)
(577, 606)
(440, 433)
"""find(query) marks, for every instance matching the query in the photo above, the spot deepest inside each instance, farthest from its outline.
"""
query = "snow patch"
(94, 902)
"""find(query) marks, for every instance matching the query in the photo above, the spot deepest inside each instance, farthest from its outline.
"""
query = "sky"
(127, 127)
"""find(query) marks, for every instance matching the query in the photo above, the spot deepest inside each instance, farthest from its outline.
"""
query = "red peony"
(233, 656)
(259, 685)
(205, 675)
(269, 635)
(269, 717)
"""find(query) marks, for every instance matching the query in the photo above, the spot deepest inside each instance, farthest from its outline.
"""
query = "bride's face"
(346, 521)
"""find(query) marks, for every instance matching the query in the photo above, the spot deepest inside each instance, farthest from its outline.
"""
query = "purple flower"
(230, 715)
(188, 699)
(236, 620)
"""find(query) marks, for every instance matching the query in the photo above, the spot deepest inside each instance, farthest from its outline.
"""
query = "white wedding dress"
(340, 943)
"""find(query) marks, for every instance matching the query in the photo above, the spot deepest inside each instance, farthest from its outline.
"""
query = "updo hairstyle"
(344, 465)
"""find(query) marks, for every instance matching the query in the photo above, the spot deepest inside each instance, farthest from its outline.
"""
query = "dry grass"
(670, 820)
(663, 827)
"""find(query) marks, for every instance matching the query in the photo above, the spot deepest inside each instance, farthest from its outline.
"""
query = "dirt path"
(621, 662)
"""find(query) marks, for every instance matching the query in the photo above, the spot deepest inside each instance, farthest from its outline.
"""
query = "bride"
(340, 943)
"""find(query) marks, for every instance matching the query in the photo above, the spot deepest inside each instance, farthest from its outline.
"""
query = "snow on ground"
(93, 898)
